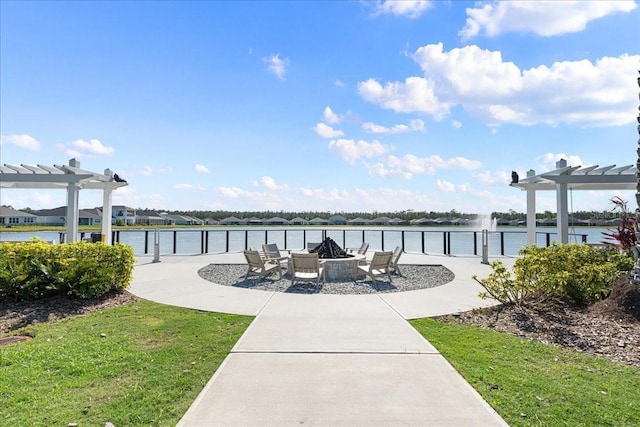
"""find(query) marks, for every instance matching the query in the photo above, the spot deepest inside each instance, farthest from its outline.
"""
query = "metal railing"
(446, 242)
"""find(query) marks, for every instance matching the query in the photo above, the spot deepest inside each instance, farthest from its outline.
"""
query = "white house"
(10, 216)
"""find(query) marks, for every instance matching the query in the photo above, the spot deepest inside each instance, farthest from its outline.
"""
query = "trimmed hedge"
(32, 270)
(581, 273)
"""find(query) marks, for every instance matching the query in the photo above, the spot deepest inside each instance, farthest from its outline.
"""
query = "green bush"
(581, 273)
(31, 270)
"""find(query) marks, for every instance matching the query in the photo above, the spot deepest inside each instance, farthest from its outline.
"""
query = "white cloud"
(446, 186)
(146, 171)
(456, 124)
(201, 168)
(408, 165)
(543, 18)
(231, 192)
(270, 184)
(327, 131)
(601, 93)
(469, 71)
(188, 187)
(330, 117)
(414, 125)
(416, 94)
(277, 65)
(548, 161)
(350, 150)
(86, 149)
(22, 141)
(408, 8)
(490, 178)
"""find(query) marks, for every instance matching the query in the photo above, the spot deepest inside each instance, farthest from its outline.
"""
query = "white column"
(72, 212)
(531, 216)
(531, 211)
(106, 215)
(562, 214)
(562, 207)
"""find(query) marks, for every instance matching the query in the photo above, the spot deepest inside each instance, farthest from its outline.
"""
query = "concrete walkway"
(327, 360)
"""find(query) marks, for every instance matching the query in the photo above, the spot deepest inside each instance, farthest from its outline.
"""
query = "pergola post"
(73, 193)
(562, 207)
(106, 215)
(531, 212)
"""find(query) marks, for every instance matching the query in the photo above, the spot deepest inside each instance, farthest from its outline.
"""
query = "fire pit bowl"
(329, 249)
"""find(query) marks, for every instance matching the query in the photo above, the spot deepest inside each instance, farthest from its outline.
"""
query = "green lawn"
(140, 364)
(143, 364)
(532, 384)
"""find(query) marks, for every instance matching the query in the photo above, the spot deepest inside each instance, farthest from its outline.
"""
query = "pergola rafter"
(68, 177)
(566, 177)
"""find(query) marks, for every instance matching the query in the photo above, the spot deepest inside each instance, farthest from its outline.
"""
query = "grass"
(132, 365)
(533, 384)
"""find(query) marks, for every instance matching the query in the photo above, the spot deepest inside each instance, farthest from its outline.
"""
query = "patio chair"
(259, 266)
(272, 253)
(380, 265)
(306, 267)
(394, 260)
(362, 250)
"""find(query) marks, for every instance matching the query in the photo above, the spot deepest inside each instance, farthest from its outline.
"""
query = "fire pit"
(338, 264)
(329, 249)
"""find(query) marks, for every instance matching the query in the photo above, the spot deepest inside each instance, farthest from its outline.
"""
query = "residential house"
(10, 216)
(153, 218)
(359, 221)
(56, 216)
(318, 221)
(232, 220)
(337, 220)
(298, 221)
(89, 217)
(123, 215)
(276, 221)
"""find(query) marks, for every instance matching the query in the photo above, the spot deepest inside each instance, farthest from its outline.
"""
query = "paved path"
(327, 360)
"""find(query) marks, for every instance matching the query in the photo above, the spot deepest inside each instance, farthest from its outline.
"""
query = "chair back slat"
(381, 260)
(253, 258)
(271, 250)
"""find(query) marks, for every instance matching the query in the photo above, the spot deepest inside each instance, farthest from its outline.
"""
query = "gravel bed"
(413, 277)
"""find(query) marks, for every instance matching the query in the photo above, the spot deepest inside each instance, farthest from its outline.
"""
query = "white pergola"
(71, 178)
(566, 177)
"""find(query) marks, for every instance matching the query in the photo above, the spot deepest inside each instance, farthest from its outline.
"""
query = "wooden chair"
(380, 265)
(306, 267)
(272, 253)
(259, 266)
(362, 250)
(394, 260)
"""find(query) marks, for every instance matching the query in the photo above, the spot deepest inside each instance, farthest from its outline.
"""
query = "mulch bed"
(609, 328)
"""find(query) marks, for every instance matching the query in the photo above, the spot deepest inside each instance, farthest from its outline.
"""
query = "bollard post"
(156, 245)
(485, 246)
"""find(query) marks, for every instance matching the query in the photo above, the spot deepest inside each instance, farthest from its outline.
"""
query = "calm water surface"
(435, 240)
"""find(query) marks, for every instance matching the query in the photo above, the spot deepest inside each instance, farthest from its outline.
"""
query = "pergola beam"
(565, 178)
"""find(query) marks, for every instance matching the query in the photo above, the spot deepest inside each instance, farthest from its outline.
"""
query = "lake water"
(434, 240)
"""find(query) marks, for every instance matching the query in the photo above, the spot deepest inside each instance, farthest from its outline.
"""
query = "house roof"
(7, 211)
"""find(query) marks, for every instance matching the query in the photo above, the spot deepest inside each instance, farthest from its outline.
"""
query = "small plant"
(501, 286)
(624, 237)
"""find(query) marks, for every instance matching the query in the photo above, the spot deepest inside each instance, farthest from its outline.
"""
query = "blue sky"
(331, 106)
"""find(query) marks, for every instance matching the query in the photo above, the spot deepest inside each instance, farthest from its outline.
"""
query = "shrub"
(31, 270)
(580, 272)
